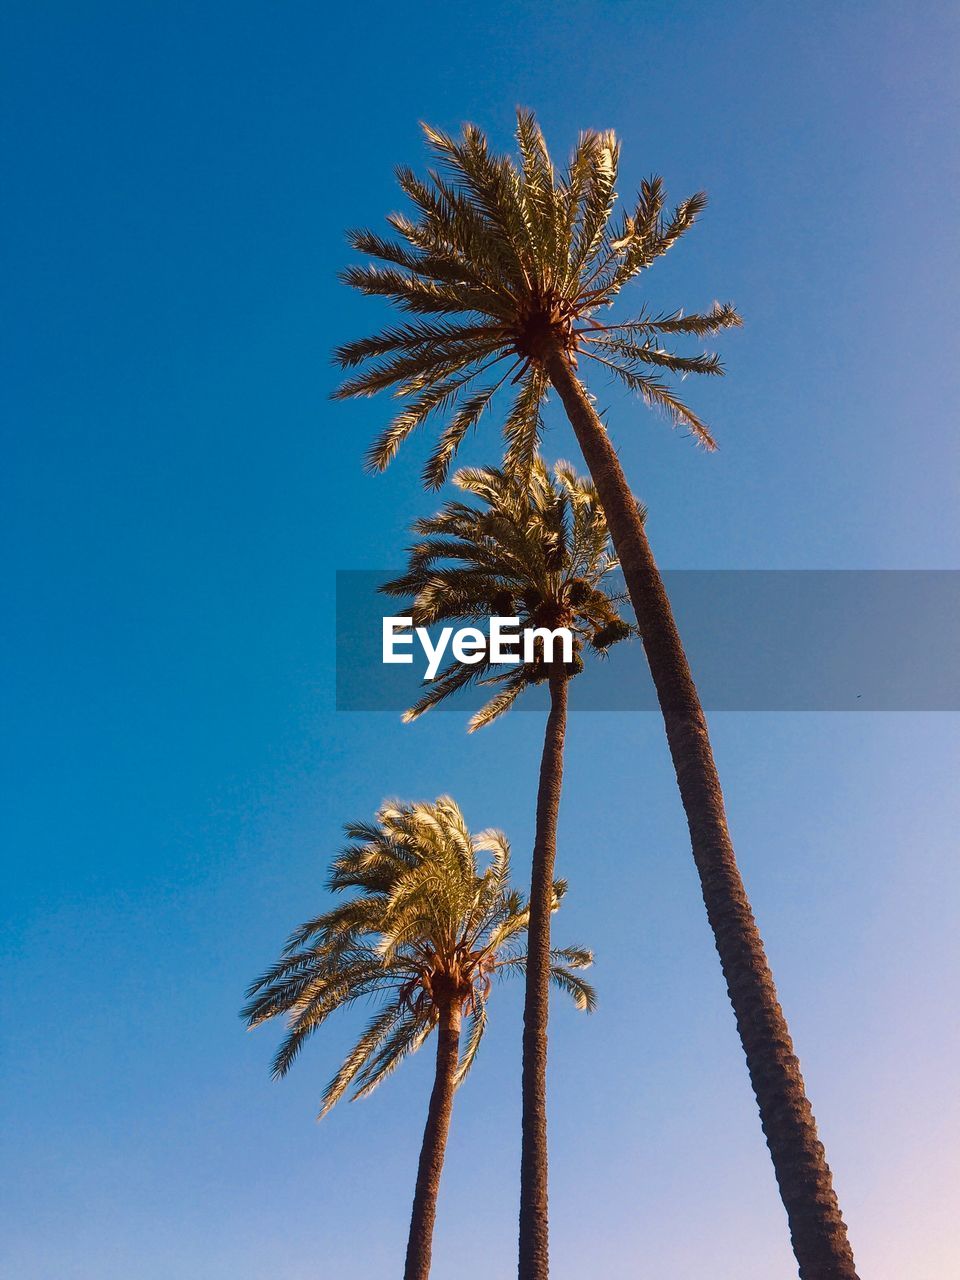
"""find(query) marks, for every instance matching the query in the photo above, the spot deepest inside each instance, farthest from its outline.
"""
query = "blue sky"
(177, 493)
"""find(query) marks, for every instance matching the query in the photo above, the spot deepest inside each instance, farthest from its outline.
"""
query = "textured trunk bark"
(817, 1229)
(420, 1241)
(534, 1236)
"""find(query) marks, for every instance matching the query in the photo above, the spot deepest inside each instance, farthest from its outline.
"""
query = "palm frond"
(578, 989)
(376, 1032)
(477, 1025)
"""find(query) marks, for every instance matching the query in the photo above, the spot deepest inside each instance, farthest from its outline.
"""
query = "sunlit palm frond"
(564, 963)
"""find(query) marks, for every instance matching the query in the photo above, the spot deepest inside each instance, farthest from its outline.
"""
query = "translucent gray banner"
(757, 640)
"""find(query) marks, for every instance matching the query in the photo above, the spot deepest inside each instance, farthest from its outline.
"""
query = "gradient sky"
(176, 495)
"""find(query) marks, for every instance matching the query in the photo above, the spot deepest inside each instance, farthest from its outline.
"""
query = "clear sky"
(177, 493)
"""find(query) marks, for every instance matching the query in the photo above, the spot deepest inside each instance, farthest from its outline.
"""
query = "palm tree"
(535, 549)
(423, 936)
(503, 270)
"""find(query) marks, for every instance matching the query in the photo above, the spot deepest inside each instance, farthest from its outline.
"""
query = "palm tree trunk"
(534, 1237)
(420, 1241)
(817, 1229)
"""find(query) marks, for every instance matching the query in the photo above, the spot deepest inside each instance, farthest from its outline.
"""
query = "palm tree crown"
(425, 928)
(504, 261)
(536, 548)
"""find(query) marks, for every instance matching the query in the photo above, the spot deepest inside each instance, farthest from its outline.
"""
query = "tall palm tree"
(504, 268)
(424, 935)
(535, 548)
